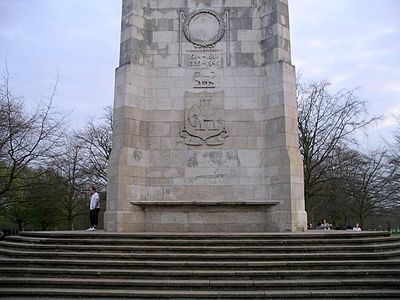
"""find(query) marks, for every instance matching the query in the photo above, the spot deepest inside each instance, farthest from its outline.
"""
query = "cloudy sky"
(351, 43)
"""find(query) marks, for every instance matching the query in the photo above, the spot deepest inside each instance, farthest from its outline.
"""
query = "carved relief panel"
(204, 79)
(204, 119)
(203, 29)
(204, 112)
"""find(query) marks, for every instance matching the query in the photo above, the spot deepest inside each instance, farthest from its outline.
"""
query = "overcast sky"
(352, 43)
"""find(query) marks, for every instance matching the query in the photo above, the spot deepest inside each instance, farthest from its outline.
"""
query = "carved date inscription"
(204, 59)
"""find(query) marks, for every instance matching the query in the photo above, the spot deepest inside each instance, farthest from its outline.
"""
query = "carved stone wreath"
(204, 14)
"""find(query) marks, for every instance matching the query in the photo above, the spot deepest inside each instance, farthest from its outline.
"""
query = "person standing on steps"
(94, 208)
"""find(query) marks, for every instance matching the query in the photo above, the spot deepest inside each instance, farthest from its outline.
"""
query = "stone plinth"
(205, 120)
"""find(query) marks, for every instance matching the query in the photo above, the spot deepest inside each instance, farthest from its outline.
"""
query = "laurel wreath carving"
(213, 40)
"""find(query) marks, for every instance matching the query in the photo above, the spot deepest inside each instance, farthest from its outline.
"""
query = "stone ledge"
(202, 203)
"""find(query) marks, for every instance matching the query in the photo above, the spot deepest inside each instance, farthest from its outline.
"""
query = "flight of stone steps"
(315, 264)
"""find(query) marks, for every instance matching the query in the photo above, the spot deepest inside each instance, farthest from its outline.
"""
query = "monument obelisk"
(205, 120)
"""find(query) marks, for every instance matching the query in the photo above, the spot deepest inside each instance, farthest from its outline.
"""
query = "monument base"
(206, 216)
(205, 120)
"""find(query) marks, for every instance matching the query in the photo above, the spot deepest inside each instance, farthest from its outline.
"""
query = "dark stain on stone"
(232, 155)
(137, 155)
(193, 162)
(215, 157)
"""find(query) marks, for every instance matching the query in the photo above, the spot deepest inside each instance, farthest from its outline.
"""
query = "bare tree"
(395, 161)
(18, 211)
(27, 139)
(325, 121)
(96, 140)
(42, 201)
(368, 182)
(71, 187)
(395, 148)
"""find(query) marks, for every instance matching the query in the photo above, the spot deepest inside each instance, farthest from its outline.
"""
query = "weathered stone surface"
(205, 117)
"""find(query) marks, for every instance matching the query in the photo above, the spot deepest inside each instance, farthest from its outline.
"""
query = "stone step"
(203, 256)
(201, 242)
(199, 274)
(203, 249)
(184, 294)
(131, 284)
(201, 265)
(321, 265)
(312, 234)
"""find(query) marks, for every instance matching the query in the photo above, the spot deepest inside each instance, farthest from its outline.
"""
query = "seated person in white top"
(357, 227)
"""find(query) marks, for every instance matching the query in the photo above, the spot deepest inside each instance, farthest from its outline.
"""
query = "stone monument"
(205, 120)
